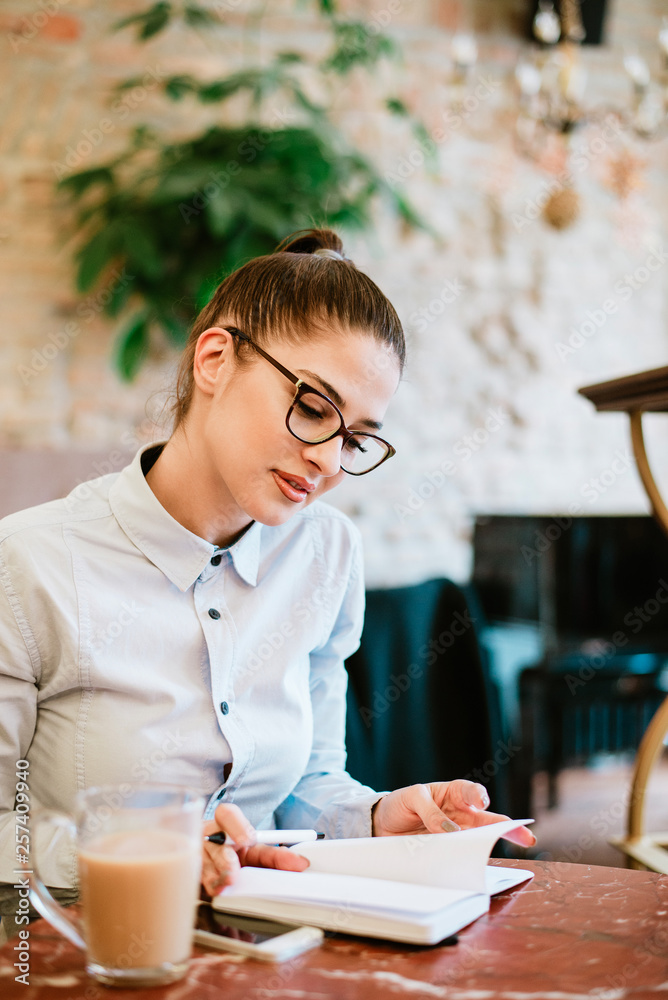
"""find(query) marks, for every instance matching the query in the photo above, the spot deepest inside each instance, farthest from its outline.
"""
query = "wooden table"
(574, 932)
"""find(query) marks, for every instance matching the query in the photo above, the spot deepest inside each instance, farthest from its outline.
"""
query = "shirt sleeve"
(18, 712)
(21, 671)
(327, 798)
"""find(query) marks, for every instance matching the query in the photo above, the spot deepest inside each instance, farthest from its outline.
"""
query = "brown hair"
(288, 293)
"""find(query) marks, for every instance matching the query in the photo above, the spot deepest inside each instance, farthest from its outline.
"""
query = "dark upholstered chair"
(421, 704)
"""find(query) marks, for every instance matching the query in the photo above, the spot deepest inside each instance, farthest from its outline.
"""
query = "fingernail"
(449, 826)
(485, 800)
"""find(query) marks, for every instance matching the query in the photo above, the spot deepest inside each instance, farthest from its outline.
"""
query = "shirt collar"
(177, 552)
(245, 553)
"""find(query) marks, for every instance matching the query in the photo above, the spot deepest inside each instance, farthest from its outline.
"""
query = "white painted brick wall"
(489, 353)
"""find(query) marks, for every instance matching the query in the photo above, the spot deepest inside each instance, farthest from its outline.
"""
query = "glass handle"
(40, 897)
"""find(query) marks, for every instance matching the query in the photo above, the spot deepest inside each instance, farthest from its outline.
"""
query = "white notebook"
(417, 889)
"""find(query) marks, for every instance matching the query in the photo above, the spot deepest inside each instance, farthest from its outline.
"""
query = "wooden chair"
(644, 392)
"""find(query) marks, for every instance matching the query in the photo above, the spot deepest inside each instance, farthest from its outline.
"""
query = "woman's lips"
(293, 487)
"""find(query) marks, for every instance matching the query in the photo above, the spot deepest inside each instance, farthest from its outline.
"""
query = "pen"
(270, 837)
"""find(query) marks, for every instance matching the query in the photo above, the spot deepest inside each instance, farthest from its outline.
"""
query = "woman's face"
(259, 471)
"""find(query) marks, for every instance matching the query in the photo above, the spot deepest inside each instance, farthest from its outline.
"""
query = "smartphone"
(267, 940)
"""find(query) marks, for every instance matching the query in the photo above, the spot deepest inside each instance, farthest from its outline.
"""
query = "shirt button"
(224, 707)
(220, 793)
(214, 613)
(215, 560)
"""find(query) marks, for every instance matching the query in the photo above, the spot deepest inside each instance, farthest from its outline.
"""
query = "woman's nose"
(326, 455)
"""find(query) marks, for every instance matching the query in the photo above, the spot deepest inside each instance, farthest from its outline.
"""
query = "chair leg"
(648, 752)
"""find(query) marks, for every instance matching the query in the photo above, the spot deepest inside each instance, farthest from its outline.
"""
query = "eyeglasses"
(313, 419)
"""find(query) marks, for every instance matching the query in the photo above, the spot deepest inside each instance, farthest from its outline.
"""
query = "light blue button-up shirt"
(132, 650)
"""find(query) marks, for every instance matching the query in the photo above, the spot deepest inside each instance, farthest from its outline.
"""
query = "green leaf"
(97, 253)
(141, 251)
(206, 290)
(397, 107)
(120, 293)
(218, 90)
(173, 327)
(177, 87)
(77, 184)
(157, 22)
(199, 17)
(289, 58)
(132, 346)
(144, 137)
(221, 213)
(356, 45)
(149, 22)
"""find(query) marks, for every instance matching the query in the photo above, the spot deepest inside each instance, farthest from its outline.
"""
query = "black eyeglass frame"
(303, 388)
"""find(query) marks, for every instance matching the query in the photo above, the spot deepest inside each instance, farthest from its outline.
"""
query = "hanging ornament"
(562, 208)
(546, 23)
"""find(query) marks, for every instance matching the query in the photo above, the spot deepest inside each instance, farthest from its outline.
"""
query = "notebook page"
(366, 894)
(444, 860)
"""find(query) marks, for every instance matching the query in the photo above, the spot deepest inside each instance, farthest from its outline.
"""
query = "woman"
(187, 620)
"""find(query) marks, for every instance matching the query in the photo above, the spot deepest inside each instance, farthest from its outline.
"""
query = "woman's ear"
(214, 356)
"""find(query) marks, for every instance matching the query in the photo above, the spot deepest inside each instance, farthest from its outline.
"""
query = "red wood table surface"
(574, 932)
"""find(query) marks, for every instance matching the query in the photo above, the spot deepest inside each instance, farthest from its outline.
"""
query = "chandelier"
(553, 105)
(552, 83)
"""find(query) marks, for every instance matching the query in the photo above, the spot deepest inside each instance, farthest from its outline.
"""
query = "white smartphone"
(267, 940)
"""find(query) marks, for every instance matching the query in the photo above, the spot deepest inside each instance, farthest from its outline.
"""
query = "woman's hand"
(221, 862)
(440, 806)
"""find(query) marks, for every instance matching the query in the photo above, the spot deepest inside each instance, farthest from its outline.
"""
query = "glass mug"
(139, 852)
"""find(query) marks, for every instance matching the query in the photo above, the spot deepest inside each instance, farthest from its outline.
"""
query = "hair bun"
(323, 242)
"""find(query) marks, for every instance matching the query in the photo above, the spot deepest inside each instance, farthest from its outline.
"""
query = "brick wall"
(505, 315)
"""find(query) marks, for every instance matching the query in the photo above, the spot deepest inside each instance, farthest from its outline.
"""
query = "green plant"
(181, 215)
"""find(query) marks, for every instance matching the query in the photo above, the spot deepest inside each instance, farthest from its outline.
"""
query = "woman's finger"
(264, 856)
(219, 867)
(421, 801)
(231, 820)
(467, 794)
(520, 835)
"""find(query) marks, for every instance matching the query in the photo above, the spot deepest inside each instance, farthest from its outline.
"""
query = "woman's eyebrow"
(338, 399)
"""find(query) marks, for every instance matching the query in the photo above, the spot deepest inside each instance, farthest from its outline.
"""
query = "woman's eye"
(308, 411)
(356, 444)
